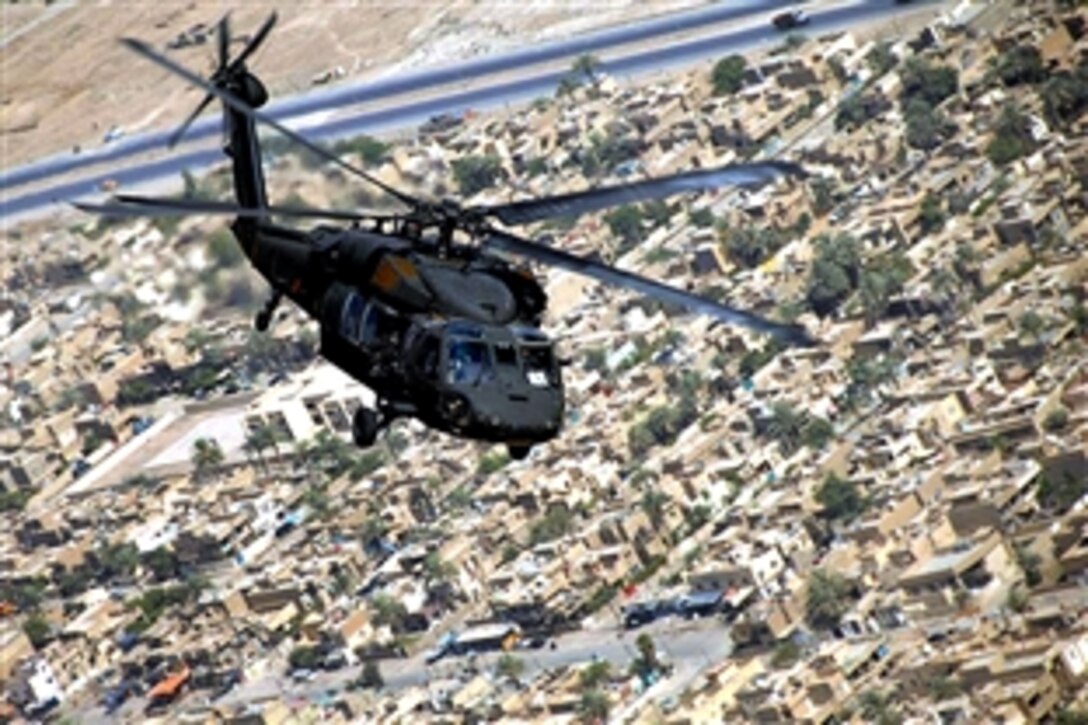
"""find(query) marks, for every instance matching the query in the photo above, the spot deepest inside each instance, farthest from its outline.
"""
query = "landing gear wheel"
(364, 427)
(456, 409)
(518, 453)
(263, 320)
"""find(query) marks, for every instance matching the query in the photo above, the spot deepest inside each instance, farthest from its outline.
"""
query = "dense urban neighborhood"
(890, 526)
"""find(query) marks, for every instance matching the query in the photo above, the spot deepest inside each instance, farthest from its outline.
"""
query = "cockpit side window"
(539, 365)
(469, 362)
(428, 356)
(352, 316)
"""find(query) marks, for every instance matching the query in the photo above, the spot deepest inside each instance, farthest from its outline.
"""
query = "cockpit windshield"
(539, 365)
(469, 362)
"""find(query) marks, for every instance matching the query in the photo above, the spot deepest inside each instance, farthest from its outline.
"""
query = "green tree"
(459, 499)
(828, 599)
(224, 252)
(437, 570)
(476, 173)
(316, 500)
(702, 218)
(207, 458)
(595, 675)
(1030, 563)
(388, 612)
(567, 85)
(1065, 96)
(303, 658)
(491, 463)
(728, 75)
(881, 59)
(785, 655)
(555, 525)
(510, 552)
(1012, 137)
(931, 215)
(117, 560)
(587, 65)
(594, 706)
(834, 274)
(371, 676)
(654, 504)
(647, 662)
(823, 195)
(1032, 324)
(510, 667)
(162, 562)
(1061, 489)
(876, 708)
(841, 500)
(371, 150)
(749, 247)
(258, 440)
(38, 630)
(14, 500)
(817, 433)
(919, 79)
(625, 223)
(785, 426)
(1020, 65)
(595, 359)
(1068, 716)
(1056, 420)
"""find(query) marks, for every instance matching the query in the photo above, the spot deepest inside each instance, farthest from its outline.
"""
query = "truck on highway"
(789, 20)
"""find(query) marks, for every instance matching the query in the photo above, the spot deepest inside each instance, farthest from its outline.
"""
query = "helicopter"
(426, 306)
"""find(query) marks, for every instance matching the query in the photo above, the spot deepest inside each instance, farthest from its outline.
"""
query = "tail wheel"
(364, 427)
(518, 452)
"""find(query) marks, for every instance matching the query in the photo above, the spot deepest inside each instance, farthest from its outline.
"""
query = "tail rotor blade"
(256, 40)
(241, 106)
(224, 41)
(176, 136)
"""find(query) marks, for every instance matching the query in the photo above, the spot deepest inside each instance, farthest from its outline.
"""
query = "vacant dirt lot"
(64, 79)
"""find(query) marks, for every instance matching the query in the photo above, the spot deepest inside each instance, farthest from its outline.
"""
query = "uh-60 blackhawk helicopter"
(424, 307)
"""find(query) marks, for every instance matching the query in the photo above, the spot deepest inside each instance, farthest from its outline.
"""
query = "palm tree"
(785, 426)
(258, 439)
(207, 457)
(654, 503)
(568, 84)
(587, 65)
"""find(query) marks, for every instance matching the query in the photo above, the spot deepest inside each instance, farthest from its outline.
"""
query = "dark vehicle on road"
(789, 20)
(701, 604)
(636, 615)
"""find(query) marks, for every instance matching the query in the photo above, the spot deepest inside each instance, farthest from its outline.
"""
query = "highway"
(344, 95)
(411, 112)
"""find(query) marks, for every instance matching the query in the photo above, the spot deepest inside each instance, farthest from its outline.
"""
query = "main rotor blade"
(582, 202)
(244, 108)
(503, 241)
(124, 205)
(256, 41)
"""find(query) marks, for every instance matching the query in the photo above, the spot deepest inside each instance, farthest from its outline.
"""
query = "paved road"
(344, 95)
(691, 646)
(495, 94)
